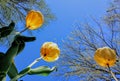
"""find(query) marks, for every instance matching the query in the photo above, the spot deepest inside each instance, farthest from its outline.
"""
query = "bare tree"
(16, 10)
(79, 48)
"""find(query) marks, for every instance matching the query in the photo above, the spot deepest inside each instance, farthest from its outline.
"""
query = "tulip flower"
(50, 51)
(34, 19)
(105, 57)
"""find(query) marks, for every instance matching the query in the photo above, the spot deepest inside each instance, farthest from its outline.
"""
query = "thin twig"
(113, 75)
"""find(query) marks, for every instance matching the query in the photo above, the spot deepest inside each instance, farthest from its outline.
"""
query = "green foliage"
(21, 74)
(16, 10)
(7, 65)
(12, 71)
(5, 31)
(21, 41)
(6, 60)
(42, 70)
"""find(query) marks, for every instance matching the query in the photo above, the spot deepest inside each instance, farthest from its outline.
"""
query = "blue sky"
(67, 13)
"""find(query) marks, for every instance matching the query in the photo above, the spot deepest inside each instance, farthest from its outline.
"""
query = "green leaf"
(6, 60)
(21, 74)
(21, 40)
(26, 38)
(5, 31)
(4, 66)
(3, 79)
(12, 71)
(21, 47)
(11, 52)
(42, 70)
(24, 71)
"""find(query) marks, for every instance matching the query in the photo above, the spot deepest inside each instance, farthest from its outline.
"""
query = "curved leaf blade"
(42, 70)
(12, 71)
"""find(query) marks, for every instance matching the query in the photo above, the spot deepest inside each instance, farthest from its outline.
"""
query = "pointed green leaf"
(25, 71)
(11, 52)
(21, 40)
(2, 73)
(7, 59)
(42, 70)
(21, 74)
(4, 67)
(5, 31)
(3, 79)
(21, 47)
(12, 71)
(26, 38)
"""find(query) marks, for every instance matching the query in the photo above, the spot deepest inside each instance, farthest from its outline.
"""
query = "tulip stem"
(24, 30)
(113, 75)
(35, 61)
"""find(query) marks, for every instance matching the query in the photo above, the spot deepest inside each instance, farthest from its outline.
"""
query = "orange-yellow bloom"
(105, 57)
(50, 51)
(34, 20)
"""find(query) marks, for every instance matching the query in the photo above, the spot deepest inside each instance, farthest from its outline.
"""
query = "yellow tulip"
(105, 57)
(50, 51)
(34, 20)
